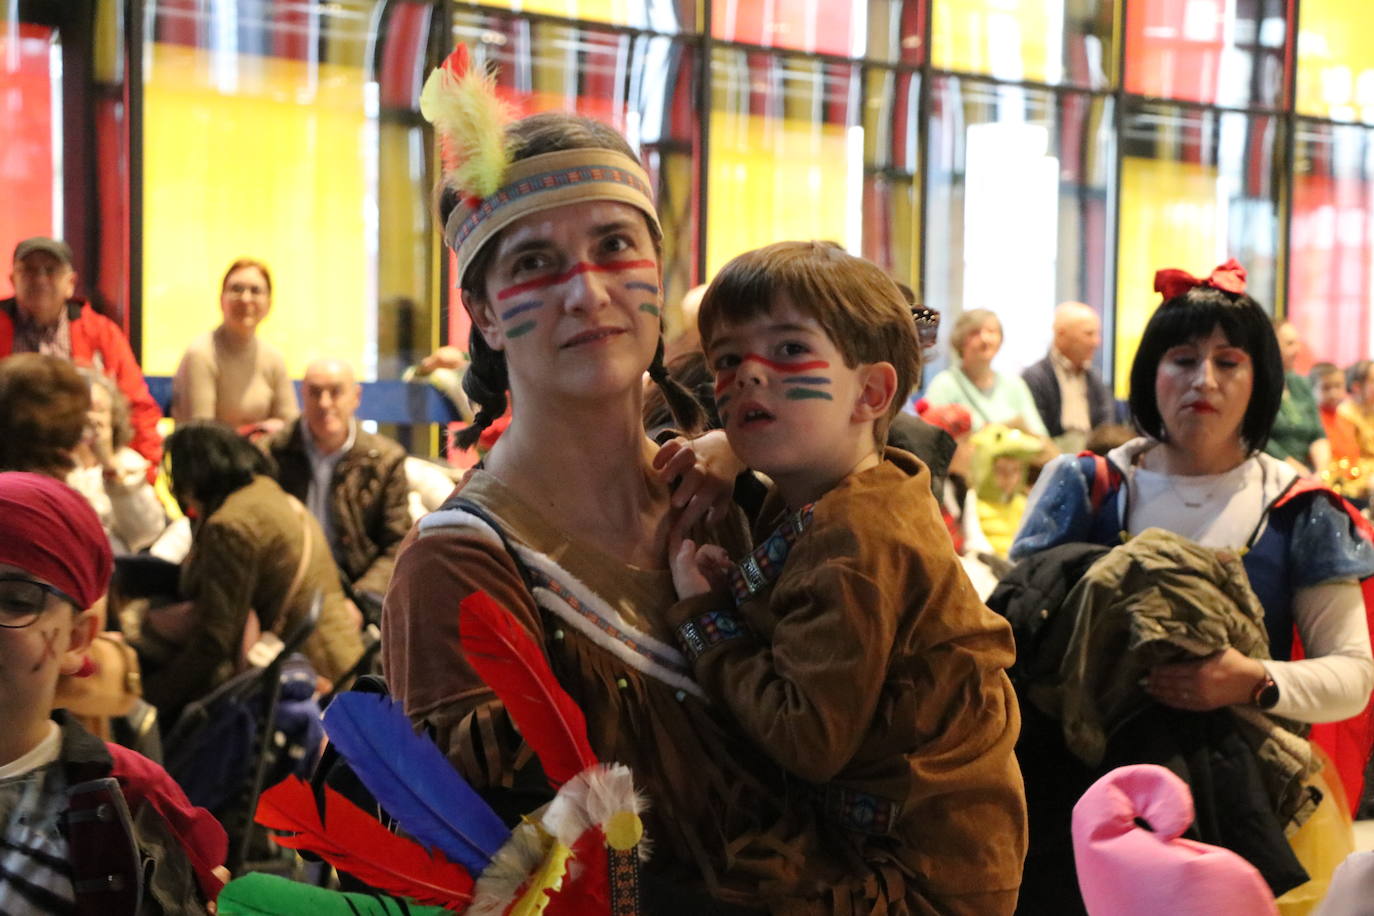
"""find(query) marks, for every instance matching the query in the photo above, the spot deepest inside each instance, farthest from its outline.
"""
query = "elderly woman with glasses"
(229, 374)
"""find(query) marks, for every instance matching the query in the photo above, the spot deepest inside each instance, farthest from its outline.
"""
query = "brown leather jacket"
(368, 505)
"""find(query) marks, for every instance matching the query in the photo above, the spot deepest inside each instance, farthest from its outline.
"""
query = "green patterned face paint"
(802, 394)
(520, 330)
(651, 308)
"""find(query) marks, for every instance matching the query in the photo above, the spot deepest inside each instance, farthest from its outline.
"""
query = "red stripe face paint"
(727, 378)
(581, 267)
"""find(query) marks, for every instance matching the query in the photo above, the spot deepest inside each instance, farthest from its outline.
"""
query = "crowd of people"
(861, 641)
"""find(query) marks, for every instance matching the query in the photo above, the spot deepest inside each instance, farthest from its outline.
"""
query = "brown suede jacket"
(863, 662)
(367, 504)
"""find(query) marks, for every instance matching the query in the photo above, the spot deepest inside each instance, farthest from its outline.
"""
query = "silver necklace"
(1202, 500)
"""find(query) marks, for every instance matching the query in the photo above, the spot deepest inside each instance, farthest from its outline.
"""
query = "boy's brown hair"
(860, 307)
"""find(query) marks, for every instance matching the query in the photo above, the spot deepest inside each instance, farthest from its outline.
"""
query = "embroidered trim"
(861, 812)
(561, 594)
(764, 564)
(623, 869)
(544, 182)
(698, 634)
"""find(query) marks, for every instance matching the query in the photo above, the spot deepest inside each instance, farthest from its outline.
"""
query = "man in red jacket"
(44, 317)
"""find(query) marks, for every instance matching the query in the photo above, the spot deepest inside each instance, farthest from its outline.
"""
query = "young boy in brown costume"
(849, 645)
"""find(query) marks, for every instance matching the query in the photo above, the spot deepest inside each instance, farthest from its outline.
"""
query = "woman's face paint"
(651, 307)
(521, 317)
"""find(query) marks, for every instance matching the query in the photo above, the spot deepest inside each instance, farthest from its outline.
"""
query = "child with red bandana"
(85, 827)
(850, 645)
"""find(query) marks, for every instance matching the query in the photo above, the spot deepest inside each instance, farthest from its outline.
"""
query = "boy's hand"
(705, 469)
(698, 570)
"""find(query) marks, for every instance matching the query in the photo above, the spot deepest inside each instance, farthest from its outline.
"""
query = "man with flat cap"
(44, 316)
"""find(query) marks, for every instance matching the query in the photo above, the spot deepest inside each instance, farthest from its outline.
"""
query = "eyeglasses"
(238, 289)
(22, 601)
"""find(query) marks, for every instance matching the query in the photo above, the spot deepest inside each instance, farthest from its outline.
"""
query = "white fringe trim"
(659, 660)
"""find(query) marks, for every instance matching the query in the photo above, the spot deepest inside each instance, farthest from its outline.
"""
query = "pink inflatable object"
(1125, 869)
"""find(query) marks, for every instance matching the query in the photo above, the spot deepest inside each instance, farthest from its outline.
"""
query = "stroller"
(251, 731)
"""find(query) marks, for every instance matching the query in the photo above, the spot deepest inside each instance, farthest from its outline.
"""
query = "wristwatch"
(1266, 695)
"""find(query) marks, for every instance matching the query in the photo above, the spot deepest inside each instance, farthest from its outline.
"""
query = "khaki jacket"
(244, 557)
(1162, 598)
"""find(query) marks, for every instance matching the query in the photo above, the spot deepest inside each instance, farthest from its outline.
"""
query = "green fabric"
(272, 895)
(1298, 424)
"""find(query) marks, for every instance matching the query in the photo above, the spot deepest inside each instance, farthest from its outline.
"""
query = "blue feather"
(413, 781)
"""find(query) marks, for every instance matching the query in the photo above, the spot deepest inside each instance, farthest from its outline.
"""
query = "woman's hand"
(443, 358)
(705, 469)
(1225, 678)
(698, 570)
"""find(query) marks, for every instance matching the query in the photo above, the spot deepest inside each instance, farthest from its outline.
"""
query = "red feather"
(506, 656)
(458, 61)
(357, 843)
(586, 890)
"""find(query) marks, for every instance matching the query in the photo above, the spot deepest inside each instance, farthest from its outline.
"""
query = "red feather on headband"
(1228, 277)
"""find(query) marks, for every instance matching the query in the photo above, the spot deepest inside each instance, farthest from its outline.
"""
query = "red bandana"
(1229, 277)
(50, 531)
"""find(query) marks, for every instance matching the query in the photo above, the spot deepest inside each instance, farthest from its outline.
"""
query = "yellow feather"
(471, 120)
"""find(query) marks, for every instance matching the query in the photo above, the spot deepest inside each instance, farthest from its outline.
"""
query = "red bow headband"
(1229, 277)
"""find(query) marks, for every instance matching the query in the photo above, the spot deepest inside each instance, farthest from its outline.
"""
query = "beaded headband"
(541, 183)
(470, 121)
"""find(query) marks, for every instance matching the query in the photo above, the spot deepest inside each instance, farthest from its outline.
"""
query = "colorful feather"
(511, 870)
(602, 797)
(272, 895)
(353, 841)
(461, 102)
(507, 657)
(413, 781)
(586, 892)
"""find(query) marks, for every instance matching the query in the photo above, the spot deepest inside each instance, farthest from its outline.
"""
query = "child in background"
(85, 826)
(849, 645)
(1328, 383)
(1001, 461)
(1349, 472)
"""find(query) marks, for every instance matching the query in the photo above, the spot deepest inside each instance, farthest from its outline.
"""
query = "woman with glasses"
(230, 375)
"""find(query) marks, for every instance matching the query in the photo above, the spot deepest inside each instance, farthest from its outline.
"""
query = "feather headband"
(541, 183)
(493, 191)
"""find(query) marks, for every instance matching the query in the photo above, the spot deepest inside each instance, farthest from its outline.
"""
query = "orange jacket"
(98, 342)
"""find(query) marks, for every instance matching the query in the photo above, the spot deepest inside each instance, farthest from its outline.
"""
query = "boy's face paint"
(801, 380)
(49, 640)
(31, 659)
(787, 400)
